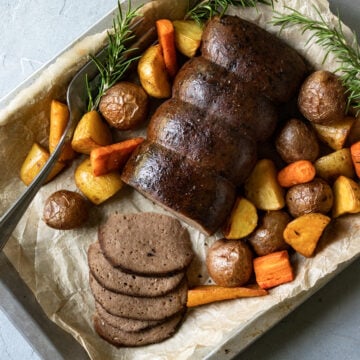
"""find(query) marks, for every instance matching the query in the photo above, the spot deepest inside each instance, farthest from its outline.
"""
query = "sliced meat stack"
(202, 143)
(137, 277)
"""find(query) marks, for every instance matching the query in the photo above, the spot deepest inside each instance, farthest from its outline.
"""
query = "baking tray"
(50, 341)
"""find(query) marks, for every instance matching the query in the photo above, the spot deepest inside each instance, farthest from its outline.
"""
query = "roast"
(202, 143)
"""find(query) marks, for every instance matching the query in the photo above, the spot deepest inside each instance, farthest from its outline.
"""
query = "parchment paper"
(54, 263)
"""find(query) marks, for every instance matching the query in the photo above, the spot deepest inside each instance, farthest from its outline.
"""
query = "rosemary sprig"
(333, 40)
(208, 8)
(117, 59)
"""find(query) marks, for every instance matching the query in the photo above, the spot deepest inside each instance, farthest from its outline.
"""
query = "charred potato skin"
(322, 98)
(64, 210)
(229, 262)
(268, 237)
(297, 141)
(313, 197)
(124, 106)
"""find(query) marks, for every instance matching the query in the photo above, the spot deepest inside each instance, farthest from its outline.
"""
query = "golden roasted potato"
(188, 35)
(313, 197)
(65, 210)
(337, 163)
(90, 133)
(153, 74)
(242, 221)
(262, 187)
(322, 98)
(229, 262)
(96, 188)
(336, 133)
(124, 106)
(34, 162)
(346, 196)
(303, 233)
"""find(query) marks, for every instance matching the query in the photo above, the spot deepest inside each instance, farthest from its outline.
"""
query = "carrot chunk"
(112, 157)
(166, 34)
(355, 157)
(298, 172)
(273, 269)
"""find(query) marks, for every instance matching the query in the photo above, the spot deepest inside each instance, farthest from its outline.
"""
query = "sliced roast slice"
(221, 94)
(143, 337)
(116, 280)
(124, 323)
(140, 308)
(150, 244)
(255, 56)
(194, 193)
(189, 131)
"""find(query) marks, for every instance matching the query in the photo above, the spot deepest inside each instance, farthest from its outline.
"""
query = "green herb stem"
(333, 40)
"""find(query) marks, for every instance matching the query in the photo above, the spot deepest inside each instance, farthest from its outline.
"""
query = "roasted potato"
(268, 236)
(313, 197)
(65, 210)
(322, 98)
(124, 106)
(153, 74)
(187, 36)
(229, 262)
(297, 141)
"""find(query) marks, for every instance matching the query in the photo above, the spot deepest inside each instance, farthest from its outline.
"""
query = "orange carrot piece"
(273, 269)
(166, 34)
(298, 172)
(355, 156)
(112, 157)
(206, 294)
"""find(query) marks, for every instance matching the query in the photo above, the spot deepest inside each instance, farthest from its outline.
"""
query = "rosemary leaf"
(208, 8)
(333, 40)
(118, 56)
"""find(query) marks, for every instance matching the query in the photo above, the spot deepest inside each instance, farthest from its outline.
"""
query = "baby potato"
(322, 98)
(65, 210)
(124, 106)
(313, 197)
(297, 141)
(229, 262)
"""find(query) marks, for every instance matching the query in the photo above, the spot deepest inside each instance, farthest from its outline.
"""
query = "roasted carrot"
(273, 269)
(206, 294)
(105, 159)
(59, 117)
(355, 157)
(298, 172)
(166, 35)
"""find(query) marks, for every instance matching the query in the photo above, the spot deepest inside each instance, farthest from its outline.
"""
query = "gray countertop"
(327, 326)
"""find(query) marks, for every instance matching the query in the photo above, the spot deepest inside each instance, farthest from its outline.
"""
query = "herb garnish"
(333, 40)
(209, 8)
(117, 59)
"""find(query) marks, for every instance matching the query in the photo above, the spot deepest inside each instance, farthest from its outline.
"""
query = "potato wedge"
(34, 162)
(188, 35)
(346, 197)
(262, 187)
(96, 188)
(337, 163)
(90, 133)
(59, 117)
(152, 73)
(242, 221)
(335, 134)
(303, 233)
(206, 294)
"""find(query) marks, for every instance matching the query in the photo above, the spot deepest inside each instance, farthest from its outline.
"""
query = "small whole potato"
(229, 262)
(313, 197)
(322, 98)
(124, 106)
(268, 237)
(65, 210)
(297, 141)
